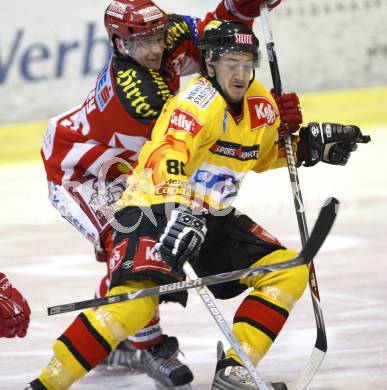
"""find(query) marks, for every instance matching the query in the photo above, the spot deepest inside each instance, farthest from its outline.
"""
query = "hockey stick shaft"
(176, 287)
(321, 229)
(318, 354)
(216, 314)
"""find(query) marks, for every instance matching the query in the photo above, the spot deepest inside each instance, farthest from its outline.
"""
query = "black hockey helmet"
(221, 36)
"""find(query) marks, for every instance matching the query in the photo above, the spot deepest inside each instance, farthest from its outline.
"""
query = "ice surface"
(51, 263)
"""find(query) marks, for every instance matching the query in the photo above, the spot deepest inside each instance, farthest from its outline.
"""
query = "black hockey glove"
(331, 143)
(182, 239)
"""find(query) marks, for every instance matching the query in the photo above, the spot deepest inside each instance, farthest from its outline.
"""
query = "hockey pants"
(94, 333)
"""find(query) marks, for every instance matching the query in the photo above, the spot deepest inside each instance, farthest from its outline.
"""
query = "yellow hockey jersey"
(199, 155)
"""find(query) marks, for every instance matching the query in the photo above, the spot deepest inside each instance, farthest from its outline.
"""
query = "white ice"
(52, 264)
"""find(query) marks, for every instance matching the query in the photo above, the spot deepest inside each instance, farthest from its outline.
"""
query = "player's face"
(147, 51)
(233, 74)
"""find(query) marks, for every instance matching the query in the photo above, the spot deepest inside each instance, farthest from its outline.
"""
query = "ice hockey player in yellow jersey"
(221, 126)
(178, 207)
(202, 146)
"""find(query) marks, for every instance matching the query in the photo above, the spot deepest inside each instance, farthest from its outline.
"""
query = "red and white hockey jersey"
(118, 115)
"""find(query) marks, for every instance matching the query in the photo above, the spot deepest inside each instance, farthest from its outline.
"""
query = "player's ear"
(210, 68)
(119, 44)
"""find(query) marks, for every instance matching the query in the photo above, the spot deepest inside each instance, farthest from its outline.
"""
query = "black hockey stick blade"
(321, 229)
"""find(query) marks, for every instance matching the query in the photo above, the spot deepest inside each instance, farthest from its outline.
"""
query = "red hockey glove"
(243, 9)
(290, 111)
(14, 310)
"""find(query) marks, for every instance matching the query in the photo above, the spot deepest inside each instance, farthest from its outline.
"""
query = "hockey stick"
(320, 231)
(320, 348)
(208, 300)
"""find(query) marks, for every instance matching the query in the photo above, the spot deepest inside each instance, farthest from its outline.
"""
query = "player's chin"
(237, 93)
(154, 64)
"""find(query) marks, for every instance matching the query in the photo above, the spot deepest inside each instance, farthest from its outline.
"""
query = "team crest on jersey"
(104, 90)
(262, 112)
(201, 94)
(235, 151)
(184, 121)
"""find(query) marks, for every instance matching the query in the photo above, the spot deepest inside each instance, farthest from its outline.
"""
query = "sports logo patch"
(116, 9)
(150, 13)
(104, 90)
(245, 39)
(201, 94)
(147, 258)
(236, 151)
(184, 121)
(214, 24)
(118, 254)
(210, 180)
(262, 112)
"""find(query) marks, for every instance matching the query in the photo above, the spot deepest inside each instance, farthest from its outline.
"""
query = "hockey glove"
(182, 239)
(242, 9)
(290, 112)
(331, 143)
(14, 310)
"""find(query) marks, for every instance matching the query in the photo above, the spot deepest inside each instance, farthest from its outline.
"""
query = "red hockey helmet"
(128, 19)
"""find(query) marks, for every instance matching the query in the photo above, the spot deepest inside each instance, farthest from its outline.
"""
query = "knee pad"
(283, 288)
(132, 315)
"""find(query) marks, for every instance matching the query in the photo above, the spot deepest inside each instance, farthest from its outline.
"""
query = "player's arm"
(163, 163)
(331, 143)
(244, 10)
(185, 31)
(164, 169)
(14, 310)
(182, 137)
(289, 120)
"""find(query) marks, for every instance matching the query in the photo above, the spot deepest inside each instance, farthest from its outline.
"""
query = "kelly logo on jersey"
(184, 121)
(147, 258)
(262, 112)
(235, 151)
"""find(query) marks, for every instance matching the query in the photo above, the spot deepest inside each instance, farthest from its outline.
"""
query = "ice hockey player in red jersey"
(88, 150)
(222, 125)
(14, 310)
